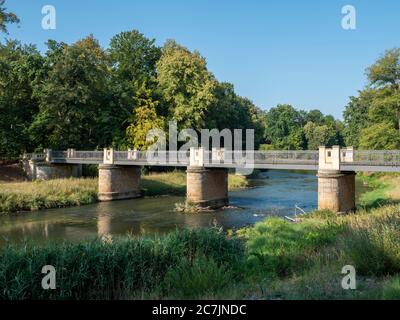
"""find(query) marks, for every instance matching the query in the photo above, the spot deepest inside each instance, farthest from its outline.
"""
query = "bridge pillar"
(207, 187)
(336, 188)
(119, 182)
(39, 168)
(336, 191)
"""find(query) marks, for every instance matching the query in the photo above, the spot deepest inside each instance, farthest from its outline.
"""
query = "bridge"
(207, 171)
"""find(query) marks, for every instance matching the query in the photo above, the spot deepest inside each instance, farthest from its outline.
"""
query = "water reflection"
(274, 193)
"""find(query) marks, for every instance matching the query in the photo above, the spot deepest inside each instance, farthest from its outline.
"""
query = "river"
(271, 193)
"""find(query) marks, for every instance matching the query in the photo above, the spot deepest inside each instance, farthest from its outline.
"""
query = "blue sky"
(285, 51)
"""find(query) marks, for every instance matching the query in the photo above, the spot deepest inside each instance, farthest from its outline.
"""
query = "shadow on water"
(271, 193)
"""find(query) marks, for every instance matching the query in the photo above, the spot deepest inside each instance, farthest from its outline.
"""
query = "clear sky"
(280, 51)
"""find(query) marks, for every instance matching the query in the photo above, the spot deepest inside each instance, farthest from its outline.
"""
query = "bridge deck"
(359, 160)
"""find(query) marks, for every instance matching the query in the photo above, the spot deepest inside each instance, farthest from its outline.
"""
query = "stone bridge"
(207, 171)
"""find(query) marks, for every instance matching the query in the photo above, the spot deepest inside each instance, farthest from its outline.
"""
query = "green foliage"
(146, 119)
(284, 128)
(201, 277)
(186, 85)
(355, 117)
(71, 96)
(288, 128)
(320, 135)
(380, 136)
(372, 245)
(391, 289)
(280, 248)
(117, 269)
(133, 83)
(6, 17)
(375, 113)
(57, 193)
(19, 67)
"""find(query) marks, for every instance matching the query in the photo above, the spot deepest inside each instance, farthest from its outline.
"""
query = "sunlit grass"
(31, 196)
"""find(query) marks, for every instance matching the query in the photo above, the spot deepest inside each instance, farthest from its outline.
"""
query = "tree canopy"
(372, 119)
(6, 18)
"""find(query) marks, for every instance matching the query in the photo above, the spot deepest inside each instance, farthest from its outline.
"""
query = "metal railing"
(353, 158)
(376, 158)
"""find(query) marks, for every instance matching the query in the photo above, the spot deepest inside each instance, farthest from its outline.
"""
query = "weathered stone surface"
(336, 191)
(206, 187)
(41, 170)
(119, 182)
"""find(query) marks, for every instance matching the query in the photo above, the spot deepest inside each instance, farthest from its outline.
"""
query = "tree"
(285, 128)
(72, 97)
(356, 117)
(133, 58)
(19, 67)
(6, 17)
(231, 111)
(145, 119)
(187, 87)
(384, 75)
(380, 136)
(320, 135)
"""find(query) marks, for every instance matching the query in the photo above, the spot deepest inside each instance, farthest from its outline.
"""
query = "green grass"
(31, 196)
(183, 263)
(385, 190)
(174, 183)
(58, 193)
(274, 259)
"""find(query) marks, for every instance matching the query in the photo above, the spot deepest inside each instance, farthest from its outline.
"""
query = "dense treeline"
(83, 96)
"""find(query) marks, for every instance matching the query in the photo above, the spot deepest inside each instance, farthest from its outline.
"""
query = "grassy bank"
(30, 196)
(274, 259)
(385, 189)
(36, 195)
(174, 183)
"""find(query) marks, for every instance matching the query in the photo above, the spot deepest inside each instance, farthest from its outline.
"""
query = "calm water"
(273, 193)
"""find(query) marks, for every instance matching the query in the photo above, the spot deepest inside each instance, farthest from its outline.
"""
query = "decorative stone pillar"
(119, 182)
(207, 187)
(336, 191)
(336, 188)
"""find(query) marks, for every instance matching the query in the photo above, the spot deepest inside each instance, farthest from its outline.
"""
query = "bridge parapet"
(332, 158)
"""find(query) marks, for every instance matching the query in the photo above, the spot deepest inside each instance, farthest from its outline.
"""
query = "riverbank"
(60, 193)
(274, 259)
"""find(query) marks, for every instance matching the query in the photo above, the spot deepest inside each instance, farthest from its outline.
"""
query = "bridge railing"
(89, 155)
(376, 158)
(287, 157)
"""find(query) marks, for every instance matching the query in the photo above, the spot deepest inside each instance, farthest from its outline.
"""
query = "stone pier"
(207, 187)
(42, 170)
(336, 188)
(119, 182)
(336, 191)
